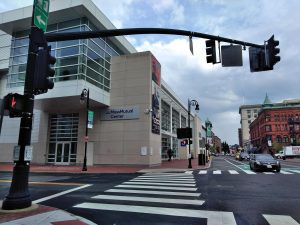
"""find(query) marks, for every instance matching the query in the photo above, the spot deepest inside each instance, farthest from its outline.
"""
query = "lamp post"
(196, 104)
(85, 94)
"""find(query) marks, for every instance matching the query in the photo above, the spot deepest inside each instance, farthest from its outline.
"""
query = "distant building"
(248, 113)
(217, 143)
(278, 123)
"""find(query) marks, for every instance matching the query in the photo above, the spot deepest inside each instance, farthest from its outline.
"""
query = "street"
(226, 193)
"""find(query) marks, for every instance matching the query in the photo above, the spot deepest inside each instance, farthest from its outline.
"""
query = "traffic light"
(211, 56)
(43, 70)
(15, 104)
(273, 51)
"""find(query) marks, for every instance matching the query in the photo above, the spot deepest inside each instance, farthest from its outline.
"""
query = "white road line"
(213, 217)
(268, 173)
(280, 220)
(217, 172)
(285, 172)
(154, 192)
(160, 184)
(184, 175)
(295, 171)
(189, 172)
(156, 187)
(233, 172)
(148, 199)
(61, 193)
(203, 172)
(168, 177)
(246, 171)
(165, 181)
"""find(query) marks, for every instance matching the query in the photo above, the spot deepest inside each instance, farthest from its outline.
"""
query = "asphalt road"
(227, 193)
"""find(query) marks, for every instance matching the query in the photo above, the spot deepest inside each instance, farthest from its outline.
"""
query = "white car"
(279, 155)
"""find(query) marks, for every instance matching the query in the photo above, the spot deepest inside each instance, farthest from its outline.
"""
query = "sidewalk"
(166, 166)
(40, 214)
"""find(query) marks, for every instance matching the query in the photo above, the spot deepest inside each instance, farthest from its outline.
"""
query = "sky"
(220, 91)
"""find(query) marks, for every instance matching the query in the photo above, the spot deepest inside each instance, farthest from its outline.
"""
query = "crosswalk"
(243, 171)
(169, 194)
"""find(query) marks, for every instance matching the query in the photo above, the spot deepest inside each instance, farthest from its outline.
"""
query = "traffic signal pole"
(19, 196)
(135, 31)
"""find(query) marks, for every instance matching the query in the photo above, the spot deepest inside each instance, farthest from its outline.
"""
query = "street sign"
(41, 11)
(90, 119)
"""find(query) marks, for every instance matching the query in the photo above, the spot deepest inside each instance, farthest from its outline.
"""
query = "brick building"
(277, 122)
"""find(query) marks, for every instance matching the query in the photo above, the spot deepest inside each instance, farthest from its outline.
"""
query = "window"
(278, 139)
(268, 128)
(268, 118)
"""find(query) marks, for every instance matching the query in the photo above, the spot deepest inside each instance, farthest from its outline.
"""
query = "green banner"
(90, 119)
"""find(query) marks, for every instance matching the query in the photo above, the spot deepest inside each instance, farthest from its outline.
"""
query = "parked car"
(244, 156)
(264, 162)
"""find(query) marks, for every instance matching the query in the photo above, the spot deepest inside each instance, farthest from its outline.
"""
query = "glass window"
(70, 23)
(175, 121)
(94, 75)
(65, 71)
(67, 43)
(20, 59)
(68, 61)
(91, 63)
(68, 51)
(20, 51)
(21, 42)
(165, 114)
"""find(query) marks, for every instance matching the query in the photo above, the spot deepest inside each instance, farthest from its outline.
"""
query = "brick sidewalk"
(174, 165)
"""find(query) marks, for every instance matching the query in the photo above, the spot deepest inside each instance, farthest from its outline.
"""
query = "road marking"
(183, 175)
(217, 172)
(148, 199)
(165, 181)
(168, 177)
(189, 172)
(156, 187)
(294, 171)
(61, 193)
(285, 172)
(213, 217)
(246, 171)
(154, 192)
(161, 184)
(268, 173)
(233, 172)
(203, 172)
(280, 220)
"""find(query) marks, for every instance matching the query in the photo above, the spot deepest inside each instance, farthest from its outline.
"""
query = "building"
(217, 143)
(278, 123)
(240, 136)
(136, 114)
(248, 114)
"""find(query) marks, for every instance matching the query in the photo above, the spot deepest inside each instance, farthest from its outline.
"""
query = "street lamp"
(196, 104)
(85, 94)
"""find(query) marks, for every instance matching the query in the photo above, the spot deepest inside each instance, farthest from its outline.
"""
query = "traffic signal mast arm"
(135, 31)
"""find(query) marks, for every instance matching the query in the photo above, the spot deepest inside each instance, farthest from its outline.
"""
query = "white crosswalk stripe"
(173, 193)
(165, 181)
(268, 173)
(156, 187)
(285, 172)
(148, 199)
(233, 172)
(203, 172)
(294, 171)
(217, 172)
(160, 183)
(189, 172)
(280, 220)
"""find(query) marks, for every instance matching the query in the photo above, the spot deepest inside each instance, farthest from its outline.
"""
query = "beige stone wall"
(120, 141)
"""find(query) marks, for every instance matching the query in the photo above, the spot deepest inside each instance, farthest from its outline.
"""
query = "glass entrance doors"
(62, 153)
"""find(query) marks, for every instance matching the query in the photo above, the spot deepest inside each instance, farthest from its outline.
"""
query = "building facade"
(136, 113)
(278, 123)
(248, 114)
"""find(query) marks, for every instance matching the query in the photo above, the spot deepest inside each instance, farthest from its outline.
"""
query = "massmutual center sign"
(121, 113)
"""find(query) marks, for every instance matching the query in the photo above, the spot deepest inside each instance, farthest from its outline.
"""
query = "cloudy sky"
(219, 90)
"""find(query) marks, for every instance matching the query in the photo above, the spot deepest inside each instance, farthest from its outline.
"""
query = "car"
(244, 155)
(264, 162)
(279, 155)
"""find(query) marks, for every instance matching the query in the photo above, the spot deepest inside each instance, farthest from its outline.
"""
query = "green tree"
(277, 147)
